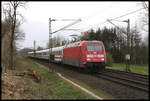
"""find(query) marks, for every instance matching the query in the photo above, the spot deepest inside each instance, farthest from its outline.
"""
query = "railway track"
(133, 80)
(126, 78)
(140, 76)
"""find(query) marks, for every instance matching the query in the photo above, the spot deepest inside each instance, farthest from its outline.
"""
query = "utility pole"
(50, 41)
(34, 49)
(128, 32)
(128, 46)
(127, 56)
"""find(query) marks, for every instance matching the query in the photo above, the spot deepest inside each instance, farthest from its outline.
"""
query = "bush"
(109, 59)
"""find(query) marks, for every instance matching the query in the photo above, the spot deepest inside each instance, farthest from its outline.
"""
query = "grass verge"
(51, 86)
(143, 69)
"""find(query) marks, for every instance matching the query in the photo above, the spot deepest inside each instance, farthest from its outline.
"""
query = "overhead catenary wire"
(118, 20)
(116, 26)
(65, 19)
(109, 20)
(127, 14)
(67, 26)
(121, 16)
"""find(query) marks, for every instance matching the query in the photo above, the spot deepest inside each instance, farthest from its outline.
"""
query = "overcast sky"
(92, 14)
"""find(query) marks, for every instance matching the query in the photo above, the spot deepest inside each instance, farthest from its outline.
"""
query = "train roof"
(40, 51)
(92, 41)
(30, 52)
(57, 48)
(79, 43)
(47, 50)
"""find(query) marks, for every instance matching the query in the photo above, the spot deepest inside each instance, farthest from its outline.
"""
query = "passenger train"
(87, 55)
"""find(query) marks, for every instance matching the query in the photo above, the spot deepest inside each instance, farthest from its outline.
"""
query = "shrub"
(109, 59)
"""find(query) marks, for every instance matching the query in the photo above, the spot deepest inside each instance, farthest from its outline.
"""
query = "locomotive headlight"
(100, 55)
(102, 59)
(90, 55)
(88, 59)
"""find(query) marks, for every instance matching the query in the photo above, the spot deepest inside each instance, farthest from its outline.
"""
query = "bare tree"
(11, 17)
(144, 16)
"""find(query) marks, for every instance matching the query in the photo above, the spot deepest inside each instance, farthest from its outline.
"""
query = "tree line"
(115, 42)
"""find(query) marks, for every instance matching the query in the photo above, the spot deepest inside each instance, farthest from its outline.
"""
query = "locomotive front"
(94, 56)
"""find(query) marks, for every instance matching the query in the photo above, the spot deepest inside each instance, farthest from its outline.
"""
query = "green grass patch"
(51, 86)
(3, 73)
(140, 69)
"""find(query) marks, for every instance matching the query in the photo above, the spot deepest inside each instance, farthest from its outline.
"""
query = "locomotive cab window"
(95, 48)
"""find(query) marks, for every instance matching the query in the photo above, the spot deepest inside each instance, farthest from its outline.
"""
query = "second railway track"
(131, 74)
(126, 78)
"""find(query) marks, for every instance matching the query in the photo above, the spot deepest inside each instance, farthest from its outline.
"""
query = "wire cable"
(127, 14)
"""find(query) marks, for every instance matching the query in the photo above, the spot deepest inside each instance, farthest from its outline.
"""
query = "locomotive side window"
(44, 53)
(47, 53)
(95, 48)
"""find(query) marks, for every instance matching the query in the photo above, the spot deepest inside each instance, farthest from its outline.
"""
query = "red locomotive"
(88, 55)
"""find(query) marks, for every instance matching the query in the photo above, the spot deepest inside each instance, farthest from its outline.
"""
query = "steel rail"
(123, 82)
